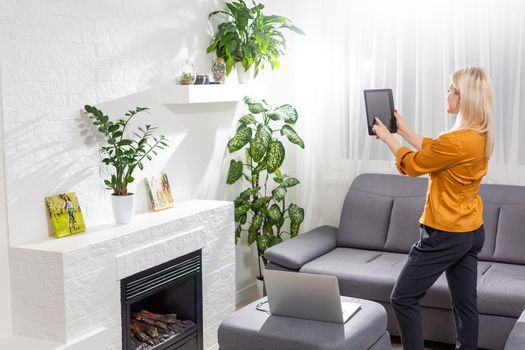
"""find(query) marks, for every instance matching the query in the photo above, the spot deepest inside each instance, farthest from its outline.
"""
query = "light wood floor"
(396, 341)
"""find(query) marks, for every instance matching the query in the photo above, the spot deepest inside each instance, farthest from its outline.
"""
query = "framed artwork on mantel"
(64, 214)
(159, 192)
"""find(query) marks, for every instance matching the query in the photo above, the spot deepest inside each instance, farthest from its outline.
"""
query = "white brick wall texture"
(57, 56)
(62, 291)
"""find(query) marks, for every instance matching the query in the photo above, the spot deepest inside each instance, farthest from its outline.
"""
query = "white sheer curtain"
(412, 47)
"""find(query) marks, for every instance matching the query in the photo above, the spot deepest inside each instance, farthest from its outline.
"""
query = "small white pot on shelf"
(123, 208)
(244, 76)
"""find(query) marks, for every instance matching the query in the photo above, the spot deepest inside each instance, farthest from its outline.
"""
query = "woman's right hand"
(400, 123)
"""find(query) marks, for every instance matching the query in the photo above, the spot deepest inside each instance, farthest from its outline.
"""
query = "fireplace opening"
(162, 306)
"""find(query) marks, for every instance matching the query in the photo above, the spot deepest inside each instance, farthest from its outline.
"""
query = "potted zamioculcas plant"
(249, 39)
(262, 210)
(124, 154)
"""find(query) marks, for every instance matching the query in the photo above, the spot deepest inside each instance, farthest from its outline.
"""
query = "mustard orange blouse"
(456, 163)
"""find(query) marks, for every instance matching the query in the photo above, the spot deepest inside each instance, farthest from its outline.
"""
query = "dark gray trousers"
(437, 251)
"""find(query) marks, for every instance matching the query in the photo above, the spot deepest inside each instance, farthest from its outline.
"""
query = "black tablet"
(381, 103)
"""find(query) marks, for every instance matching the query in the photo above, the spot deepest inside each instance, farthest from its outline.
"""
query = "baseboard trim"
(247, 293)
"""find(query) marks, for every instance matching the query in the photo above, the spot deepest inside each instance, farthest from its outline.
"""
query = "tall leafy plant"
(124, 154)
(261, 210)
(250, 37)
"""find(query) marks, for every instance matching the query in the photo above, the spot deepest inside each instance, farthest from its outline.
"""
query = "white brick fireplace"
(68, 289)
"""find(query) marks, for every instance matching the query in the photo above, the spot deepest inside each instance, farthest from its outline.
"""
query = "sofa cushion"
(365, 220)
(490, 223)
(501, 290)
(403, 229)
(361, 273)
(372, 274)
(510, 237)
(292, 254)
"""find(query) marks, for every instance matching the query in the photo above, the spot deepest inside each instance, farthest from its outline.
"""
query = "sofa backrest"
(382, 211)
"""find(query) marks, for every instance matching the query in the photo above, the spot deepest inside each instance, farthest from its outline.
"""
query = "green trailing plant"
(250, 37)
(261, 210)
(124, 154)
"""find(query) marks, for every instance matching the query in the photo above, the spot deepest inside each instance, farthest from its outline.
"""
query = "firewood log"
(139, 334)
(146, 328)
(159, 324)
(168, 318)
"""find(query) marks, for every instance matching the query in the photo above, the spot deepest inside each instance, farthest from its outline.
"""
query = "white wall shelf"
(171, 93)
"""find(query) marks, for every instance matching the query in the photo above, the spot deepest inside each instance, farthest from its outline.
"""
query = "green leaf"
(113, 128)
(268, 228)
(273, 115)
(295, 213)
(274, 213)
(124, 142)
(254, 106)
(261, 203)
(262, 243)
(238, 231)
(240, 211)
(259, 144)
(243, 219)
(274, 156)
(241, 138)
(130, 179)
(289, 132)
(255, 226)
(290, 182)
(252, 236)
(294, 229)
(248, 119)
(245, 195)
(279, 193)
(274, 240)
(229, 65)
(295, 29)
(235, 172)
(260, 167)
(287, 113)
(247, 155)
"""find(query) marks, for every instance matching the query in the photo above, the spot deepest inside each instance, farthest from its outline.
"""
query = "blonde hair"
(474, 86)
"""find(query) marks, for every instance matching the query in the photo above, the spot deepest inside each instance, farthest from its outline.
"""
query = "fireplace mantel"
(64, 289)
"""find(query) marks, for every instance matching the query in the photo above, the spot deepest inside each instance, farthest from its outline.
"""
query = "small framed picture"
(64, 214)
(159, 192)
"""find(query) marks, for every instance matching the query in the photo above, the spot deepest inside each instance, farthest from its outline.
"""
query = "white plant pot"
(123, 208)
(244, 76)
(260, 288)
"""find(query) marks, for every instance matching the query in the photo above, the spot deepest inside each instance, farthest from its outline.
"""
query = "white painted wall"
(57, 56)
(5, 297)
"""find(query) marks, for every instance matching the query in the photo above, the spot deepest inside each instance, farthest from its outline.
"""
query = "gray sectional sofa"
(378, 226)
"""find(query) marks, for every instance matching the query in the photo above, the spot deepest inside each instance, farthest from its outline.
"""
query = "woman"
(451, 226)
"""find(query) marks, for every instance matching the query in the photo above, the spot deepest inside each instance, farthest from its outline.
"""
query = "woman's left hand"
(381, 130)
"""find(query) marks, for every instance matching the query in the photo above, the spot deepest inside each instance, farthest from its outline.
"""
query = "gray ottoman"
(251, 329)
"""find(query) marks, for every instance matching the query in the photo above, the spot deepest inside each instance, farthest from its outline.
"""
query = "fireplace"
(162, 306)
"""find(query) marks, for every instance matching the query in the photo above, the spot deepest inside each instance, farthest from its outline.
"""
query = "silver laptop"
(307, 296)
